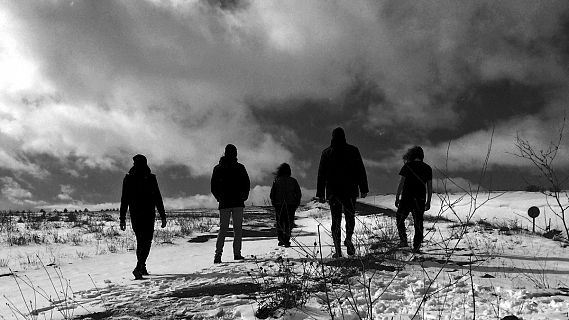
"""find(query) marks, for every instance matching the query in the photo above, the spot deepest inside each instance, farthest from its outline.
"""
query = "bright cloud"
(65, 194)
(195, 201)
(12, 191)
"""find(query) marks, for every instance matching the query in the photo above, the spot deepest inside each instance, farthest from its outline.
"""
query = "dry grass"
(96, 232)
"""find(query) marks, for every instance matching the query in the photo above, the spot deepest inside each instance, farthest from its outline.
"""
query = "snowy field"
(498, 208)
(485, 268)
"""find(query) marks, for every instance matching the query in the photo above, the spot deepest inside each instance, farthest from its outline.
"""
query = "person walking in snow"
(285, 197)
(141, 197)
(341, 174)
(413, 195)
(230, 186)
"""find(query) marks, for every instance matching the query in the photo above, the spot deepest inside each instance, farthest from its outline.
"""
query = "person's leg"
(336, 212)
(290, 216)
(138, 233)
(418, 216)
(237, 214)
(285, 222)
(147, 236)
(350, 216)
(279, 216)
(139, 240)
(401, 215)
(224, 215)
(144, 232)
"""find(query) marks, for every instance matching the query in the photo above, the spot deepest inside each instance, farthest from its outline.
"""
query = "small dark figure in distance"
(285, 198)
(230, 187)
(341, 174)
(413, 195)
(141, 196)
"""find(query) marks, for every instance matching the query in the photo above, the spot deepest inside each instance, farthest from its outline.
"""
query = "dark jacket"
(341, 171)
(285, 190)
(230, 183)
(141, 195)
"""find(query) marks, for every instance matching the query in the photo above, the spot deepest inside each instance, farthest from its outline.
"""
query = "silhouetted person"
(230, 187)
(415, 190)
(341, 174)
(285, 198)
(141, 196)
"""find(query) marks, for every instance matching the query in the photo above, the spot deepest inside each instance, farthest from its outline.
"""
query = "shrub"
(95, 227)
(164, 236)
(186, 227)
(112, 247)
(7, 223)
(18, 239)
(57, 238)
(34, 225)
(534, 188)
(76, 239)
(206, 224)
(72, 217)
(284, 285)
(55, 217)
(111, 232)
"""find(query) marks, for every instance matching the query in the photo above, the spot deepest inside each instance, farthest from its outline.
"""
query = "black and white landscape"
(481, 85)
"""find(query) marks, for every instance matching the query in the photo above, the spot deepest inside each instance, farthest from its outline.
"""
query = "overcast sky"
(86, 85)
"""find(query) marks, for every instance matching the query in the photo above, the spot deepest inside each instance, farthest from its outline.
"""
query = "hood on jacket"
(140, 166)
(338, 137)
(229, 156)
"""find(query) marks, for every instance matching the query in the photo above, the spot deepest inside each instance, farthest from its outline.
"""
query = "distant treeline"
(54, 211)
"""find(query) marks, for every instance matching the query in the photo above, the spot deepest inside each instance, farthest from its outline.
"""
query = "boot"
(350, 249)
(142, 268)
(137, 274)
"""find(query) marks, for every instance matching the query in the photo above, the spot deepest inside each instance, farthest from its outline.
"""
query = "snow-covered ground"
(510, 273)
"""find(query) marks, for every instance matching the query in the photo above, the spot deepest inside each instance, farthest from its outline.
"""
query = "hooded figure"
(285, 197)
(230, 187)
(341, 174)
(341, 171)
(141, 197)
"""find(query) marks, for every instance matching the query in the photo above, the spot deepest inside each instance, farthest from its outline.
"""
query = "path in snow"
(508, 273)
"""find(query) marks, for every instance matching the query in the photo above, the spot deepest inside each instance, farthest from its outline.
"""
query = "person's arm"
(321, 179)
(298, 193)
(246, 184)
(429, 194)
(159, 203)
(124, 204)
(214, 184)
(272, 194)
(399, 190)
(361, 174)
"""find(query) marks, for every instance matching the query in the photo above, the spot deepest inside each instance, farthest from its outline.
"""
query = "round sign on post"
(533, 212)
